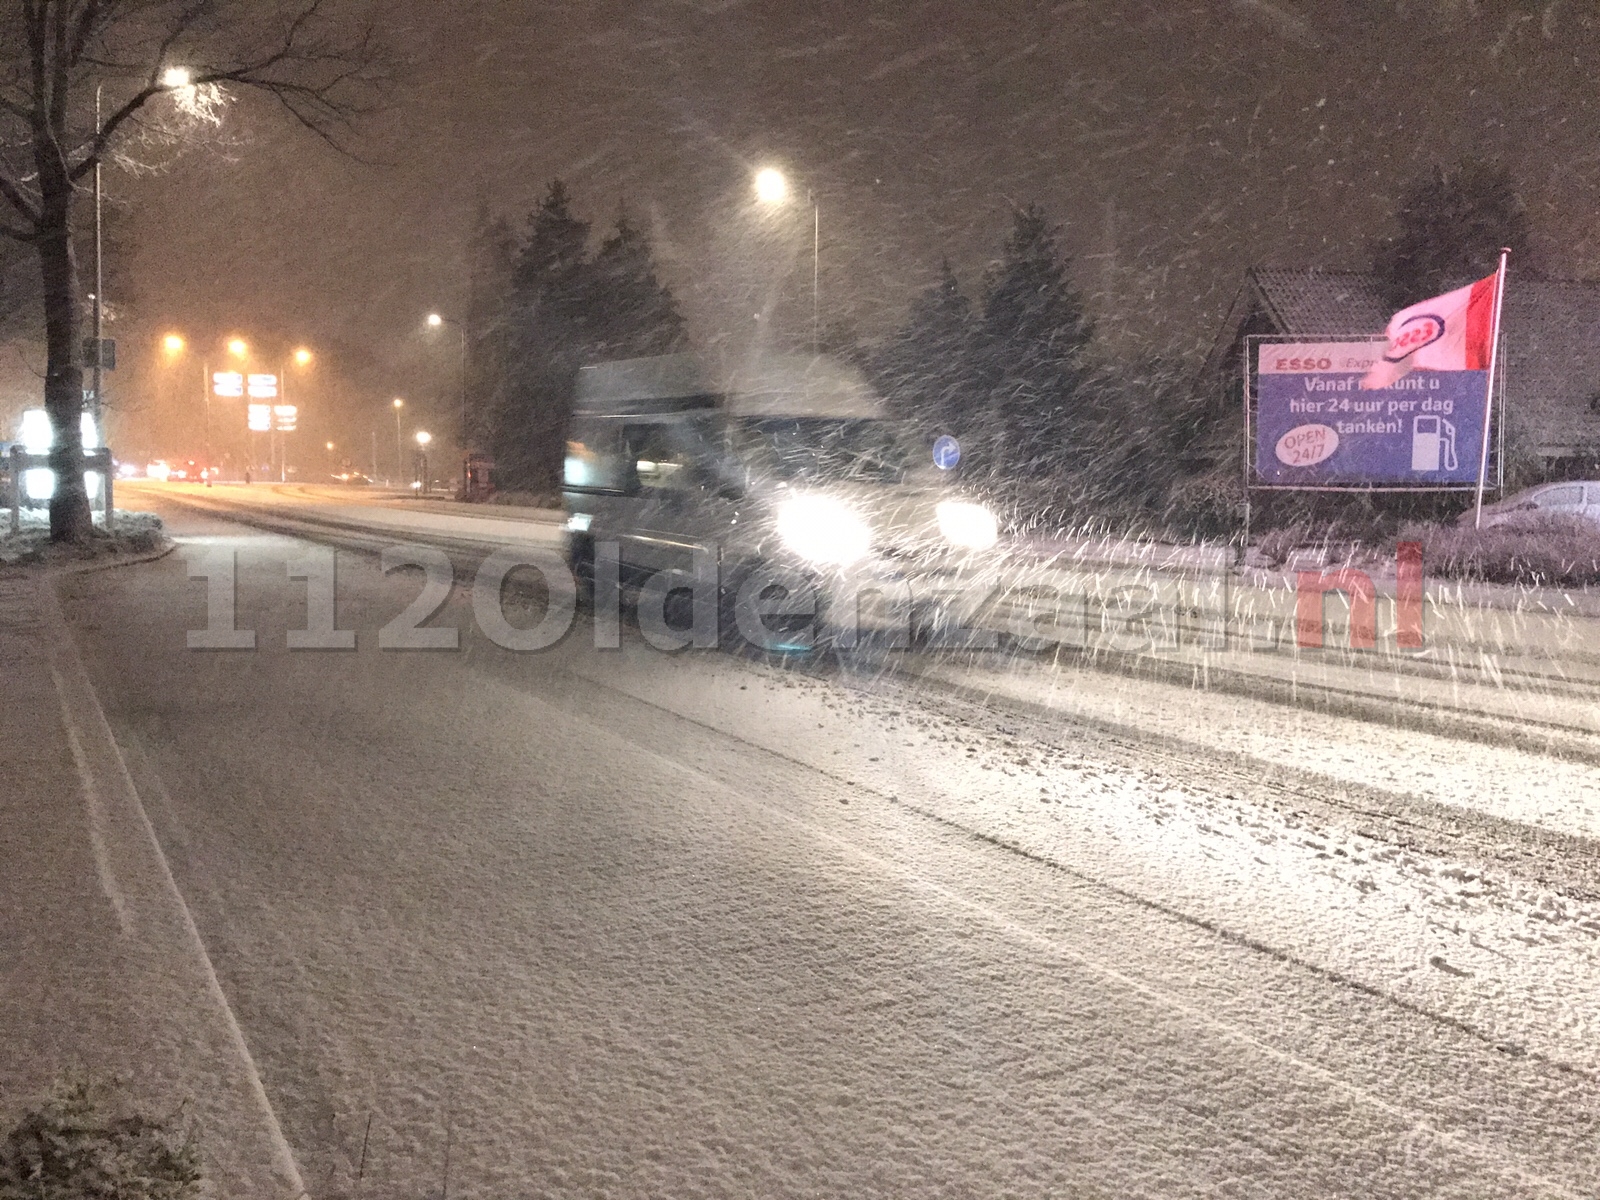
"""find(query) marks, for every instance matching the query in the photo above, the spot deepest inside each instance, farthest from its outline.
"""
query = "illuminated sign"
(260, 418)
(285, 418)
(264, 387)
(228, 383)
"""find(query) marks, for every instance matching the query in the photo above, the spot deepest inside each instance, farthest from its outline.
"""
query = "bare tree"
(161, 66)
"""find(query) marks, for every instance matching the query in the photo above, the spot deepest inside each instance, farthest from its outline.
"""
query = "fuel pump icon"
(1433, 444)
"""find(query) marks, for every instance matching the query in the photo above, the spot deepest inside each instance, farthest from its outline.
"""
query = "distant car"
(1573, 498)
(352, 477)
(189, 472)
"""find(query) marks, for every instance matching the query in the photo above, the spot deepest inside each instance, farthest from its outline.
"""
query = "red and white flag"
(1452, 332)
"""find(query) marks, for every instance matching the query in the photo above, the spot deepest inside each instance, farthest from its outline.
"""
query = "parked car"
(1571, 498)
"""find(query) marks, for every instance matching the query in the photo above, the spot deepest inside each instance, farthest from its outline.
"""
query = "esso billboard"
(1315, 426)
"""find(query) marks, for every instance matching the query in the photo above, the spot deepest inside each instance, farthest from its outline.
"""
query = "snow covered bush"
(1540, 552)
(72, 1147)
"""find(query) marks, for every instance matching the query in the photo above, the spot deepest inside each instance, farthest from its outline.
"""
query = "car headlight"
(823, 530)
(966, 524)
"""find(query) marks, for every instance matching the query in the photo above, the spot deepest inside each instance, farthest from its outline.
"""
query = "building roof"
(1346, 303)
(1551, 341)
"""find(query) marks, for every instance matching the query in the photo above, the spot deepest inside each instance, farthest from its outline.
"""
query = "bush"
(1206, 506)
(1538, 551)
(71, 1148)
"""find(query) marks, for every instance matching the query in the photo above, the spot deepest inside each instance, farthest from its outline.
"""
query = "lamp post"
(439, 321)
(172, 79)
(238, 348)
(399, 451)
(423, 439)
(301, 358)
(772, 189)
(174, 346)
(99, 275)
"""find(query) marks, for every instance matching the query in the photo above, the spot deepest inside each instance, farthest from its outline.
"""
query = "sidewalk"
(101, 967)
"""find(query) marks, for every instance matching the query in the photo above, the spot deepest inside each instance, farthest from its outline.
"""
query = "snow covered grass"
(136, 533)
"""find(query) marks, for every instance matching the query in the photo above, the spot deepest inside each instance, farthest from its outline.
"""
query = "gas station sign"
(1315, 426)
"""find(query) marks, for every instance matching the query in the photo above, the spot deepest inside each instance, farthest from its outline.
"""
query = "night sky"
(1177, 143)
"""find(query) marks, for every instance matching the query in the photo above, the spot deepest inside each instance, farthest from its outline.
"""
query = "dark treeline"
(1049, 420)
(1054, 423)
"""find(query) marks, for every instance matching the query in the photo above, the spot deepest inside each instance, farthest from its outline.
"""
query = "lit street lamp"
(772, 189)
(771, 186)
(439, 321)
(423, 439)
(301, 358)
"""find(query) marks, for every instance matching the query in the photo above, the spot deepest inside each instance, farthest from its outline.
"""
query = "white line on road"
(91, 738)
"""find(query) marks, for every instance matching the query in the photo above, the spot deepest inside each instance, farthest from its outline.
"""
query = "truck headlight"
(966, 524)
(823, 530)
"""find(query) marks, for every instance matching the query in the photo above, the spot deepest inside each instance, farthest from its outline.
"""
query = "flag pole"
(1494, 366)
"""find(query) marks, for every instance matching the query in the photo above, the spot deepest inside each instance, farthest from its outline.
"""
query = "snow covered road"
(626, 924)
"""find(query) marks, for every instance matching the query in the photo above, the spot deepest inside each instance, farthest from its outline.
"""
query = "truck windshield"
(828, 448)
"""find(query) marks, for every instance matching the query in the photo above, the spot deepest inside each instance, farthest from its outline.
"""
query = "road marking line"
(95, 810)
(87, 728)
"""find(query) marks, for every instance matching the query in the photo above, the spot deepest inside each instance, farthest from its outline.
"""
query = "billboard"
(1315, 427)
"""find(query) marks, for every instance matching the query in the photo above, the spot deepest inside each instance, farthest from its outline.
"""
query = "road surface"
(623, 923)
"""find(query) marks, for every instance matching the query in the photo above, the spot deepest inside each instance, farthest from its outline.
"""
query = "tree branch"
(313, 102)
(14, 197)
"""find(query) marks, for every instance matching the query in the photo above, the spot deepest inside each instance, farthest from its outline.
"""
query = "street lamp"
(173, 77)
(177, 78)
(772, 189)
(439, 321)
(302, 358)
(174, 347)
(771, 186)
(423, 438)
(238, 347)
(399, 451)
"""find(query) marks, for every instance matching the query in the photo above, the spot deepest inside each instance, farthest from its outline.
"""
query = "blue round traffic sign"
(946, 452)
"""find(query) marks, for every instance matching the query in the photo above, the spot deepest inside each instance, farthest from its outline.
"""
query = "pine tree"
(630, 312)
(492, 258)
(551, 289)
(1452, 226)
(925, 371)
(1029, 352)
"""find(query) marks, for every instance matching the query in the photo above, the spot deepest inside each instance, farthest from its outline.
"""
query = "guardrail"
(93, 460)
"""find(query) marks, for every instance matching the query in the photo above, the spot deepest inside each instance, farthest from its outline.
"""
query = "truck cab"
(781, 483)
